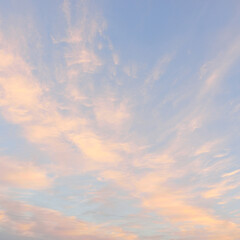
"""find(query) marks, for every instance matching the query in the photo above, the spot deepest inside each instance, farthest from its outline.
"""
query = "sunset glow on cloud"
(119, 120)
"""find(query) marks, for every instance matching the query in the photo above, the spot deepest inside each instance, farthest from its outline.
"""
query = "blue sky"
(119, 120)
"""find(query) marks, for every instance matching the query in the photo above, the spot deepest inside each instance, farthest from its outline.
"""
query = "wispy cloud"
(214, 71)
(159, 69)
(111, 137)
(26, 175)
(42, 222)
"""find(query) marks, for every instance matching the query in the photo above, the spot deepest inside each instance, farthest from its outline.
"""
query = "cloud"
(81, 35)
(207, 147)
(46, 223)
(186, 217)
(95, 148)
(24, 175)
(115, 59)
(111, 112)
(26, 101)
(6, 59)
(160, 162)
(214, 71)
(231, 173)
(175, 209)
(20, 94)
(159, 69)
(131, 70)
(86, 59)
(220, 188)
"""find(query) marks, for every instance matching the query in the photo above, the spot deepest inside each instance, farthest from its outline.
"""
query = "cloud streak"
(100, 141)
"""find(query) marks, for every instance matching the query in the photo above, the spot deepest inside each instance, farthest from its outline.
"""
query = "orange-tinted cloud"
(23, 175)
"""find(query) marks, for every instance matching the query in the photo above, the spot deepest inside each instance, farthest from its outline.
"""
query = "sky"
(119, 120)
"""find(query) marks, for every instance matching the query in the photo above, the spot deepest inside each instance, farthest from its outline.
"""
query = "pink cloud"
(23, 175)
